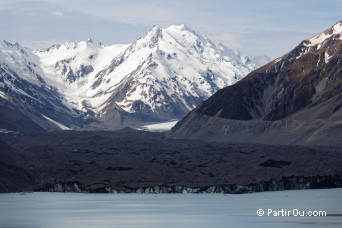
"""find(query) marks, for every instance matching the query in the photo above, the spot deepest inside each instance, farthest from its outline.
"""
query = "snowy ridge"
(320, 38)
(21, 61)
(319, 43)
(25, 89)
(71, 67)
(161, 76)
(172, 65)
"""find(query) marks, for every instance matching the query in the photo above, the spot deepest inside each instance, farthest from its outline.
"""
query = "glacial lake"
(72, 210)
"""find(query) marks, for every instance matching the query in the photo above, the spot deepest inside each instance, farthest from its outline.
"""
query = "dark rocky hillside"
(294, 99)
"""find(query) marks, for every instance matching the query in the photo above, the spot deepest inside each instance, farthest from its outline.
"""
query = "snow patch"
(327, 57)
(5, 131)
(277, 60)
(61, 126)
(3, 95)
(320, 38)
(337, 28)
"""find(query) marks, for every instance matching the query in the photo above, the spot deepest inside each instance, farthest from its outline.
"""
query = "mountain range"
(294, 99)
(86, 85)
(293, 102)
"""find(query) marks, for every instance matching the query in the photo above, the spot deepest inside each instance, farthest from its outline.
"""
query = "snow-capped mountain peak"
(21, 61)
(159, 77)
(150, 40)
(170, 70)
(323, 45)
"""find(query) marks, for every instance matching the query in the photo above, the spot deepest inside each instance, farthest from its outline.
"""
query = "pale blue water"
(72, 210)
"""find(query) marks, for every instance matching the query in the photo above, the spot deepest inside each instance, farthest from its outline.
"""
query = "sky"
(254, 27)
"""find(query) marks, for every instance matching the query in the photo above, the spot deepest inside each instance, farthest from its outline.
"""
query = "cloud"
(256, 27)
(31, 21)
(229, 39)
(40, 44)
(57, 14)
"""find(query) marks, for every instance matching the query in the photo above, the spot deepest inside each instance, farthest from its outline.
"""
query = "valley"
(141, 161)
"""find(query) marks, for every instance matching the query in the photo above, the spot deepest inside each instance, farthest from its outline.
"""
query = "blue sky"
(271, 27)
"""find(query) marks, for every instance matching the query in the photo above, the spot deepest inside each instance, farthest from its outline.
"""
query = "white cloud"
(40, 44)
(57, 14)
(260, 27)
(229, 39)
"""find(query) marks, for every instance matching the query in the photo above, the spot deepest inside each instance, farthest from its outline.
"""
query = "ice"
(159, 127)
(73, 210)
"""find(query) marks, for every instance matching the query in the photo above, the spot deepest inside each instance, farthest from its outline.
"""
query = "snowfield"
(72, 210)
(157, 78)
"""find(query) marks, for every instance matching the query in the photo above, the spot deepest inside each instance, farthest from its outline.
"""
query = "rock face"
(159, 77)
(295, 99)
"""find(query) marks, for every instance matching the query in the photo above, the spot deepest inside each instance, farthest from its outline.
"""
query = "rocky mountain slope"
(160, 77)
(27, 100)
(295, 99)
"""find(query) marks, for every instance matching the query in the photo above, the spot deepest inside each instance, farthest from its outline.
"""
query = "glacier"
(158, 78)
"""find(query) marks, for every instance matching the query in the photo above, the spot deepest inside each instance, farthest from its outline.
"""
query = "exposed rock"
(294, 99)
(285, 183)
